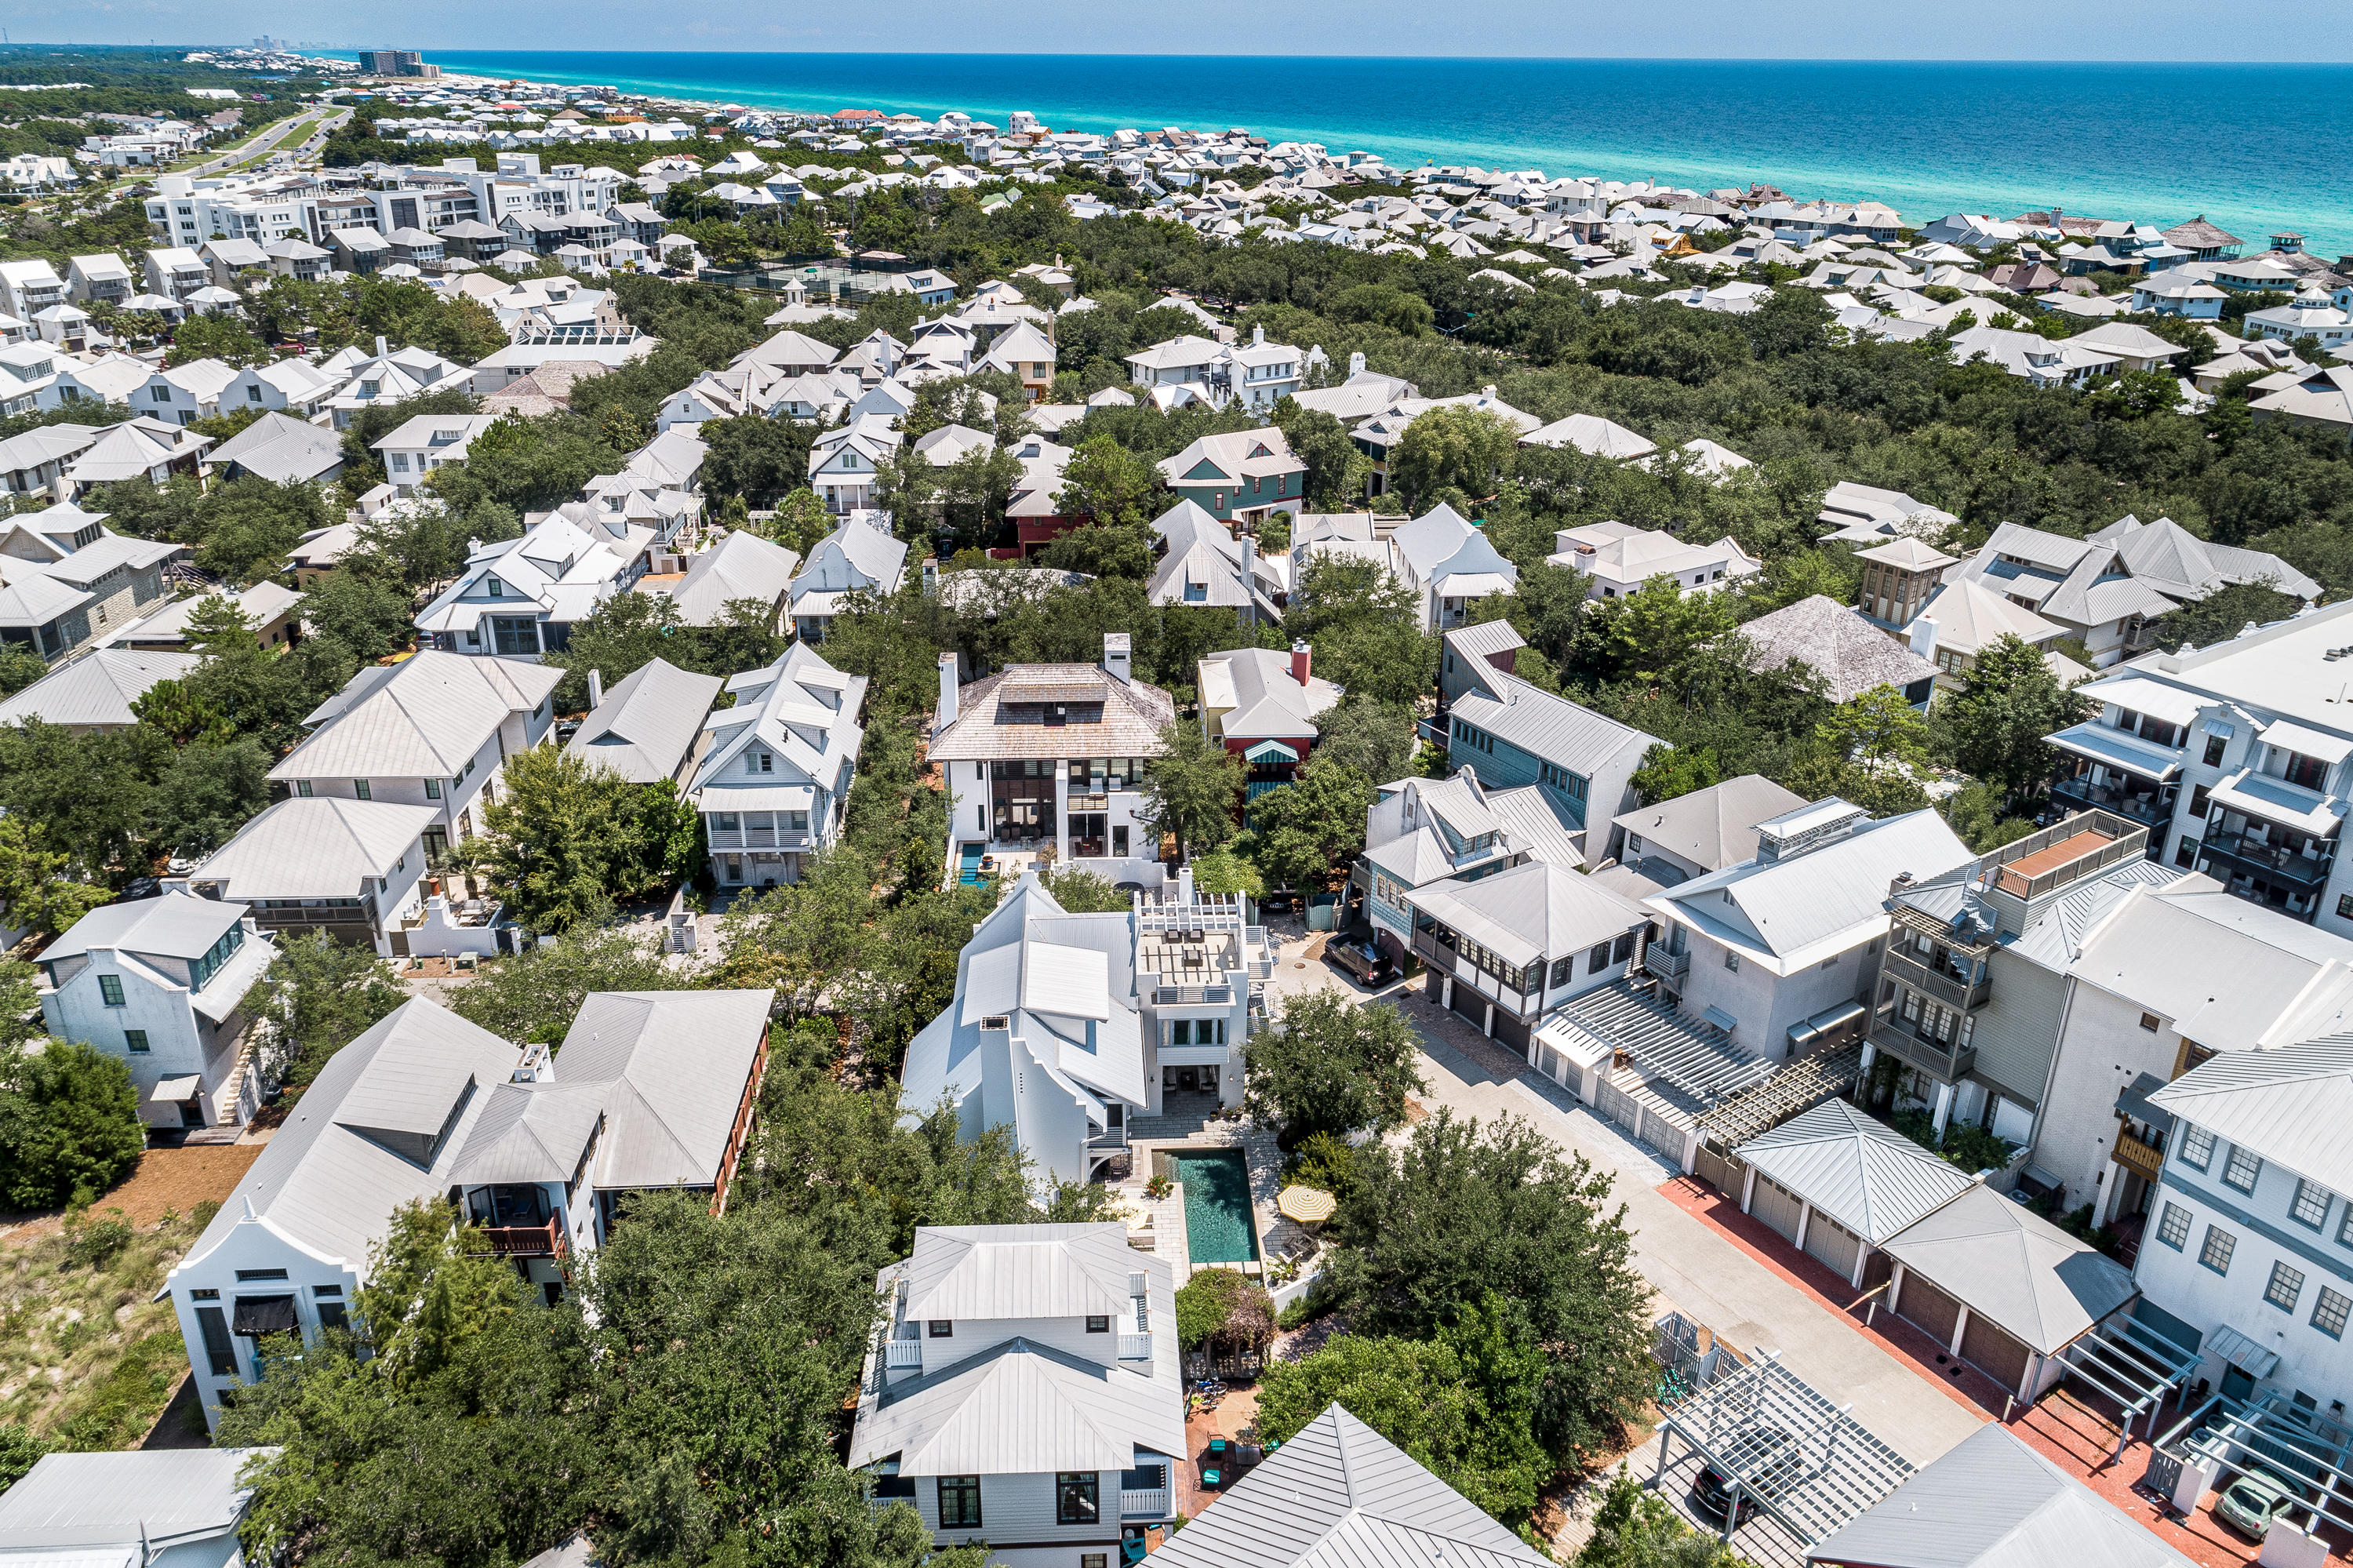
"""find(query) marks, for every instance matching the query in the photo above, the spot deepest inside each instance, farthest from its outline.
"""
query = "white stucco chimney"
(595, 689)
(1118, 658)
(948, 694)
(380, 349)
(1924, 637)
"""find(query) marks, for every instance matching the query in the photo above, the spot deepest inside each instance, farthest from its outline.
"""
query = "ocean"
(2257, 148)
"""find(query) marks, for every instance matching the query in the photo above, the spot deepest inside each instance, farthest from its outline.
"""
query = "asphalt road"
(269, 141)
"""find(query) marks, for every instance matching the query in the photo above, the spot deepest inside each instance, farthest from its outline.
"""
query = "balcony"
(1939, 1058)
(522, 1241)
(762, 838)
(1192, 996)
(904, 1355)
(2259, 856)
(2145, 1158)
(1941, 984)
(2149, 810)
(1135, 1346)
(1147, 1504)
(1674, 968)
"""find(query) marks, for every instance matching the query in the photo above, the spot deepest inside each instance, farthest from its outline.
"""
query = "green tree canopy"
(1329, 1065)
(1190, 790)
(319, 996)
(2008, 701)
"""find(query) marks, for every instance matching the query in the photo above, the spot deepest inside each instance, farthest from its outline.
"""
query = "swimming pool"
(1217, 1226)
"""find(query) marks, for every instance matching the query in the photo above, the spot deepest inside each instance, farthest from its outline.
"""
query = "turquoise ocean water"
(2256, 147)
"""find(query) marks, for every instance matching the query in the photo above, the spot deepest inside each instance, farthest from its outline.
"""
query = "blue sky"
(1817, 29)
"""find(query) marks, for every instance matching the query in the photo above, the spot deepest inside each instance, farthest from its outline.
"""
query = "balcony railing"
(762, 838)
(900, 1355)
(1135, 1346)
(1115, 1139)
(523, 1241)
(1667, 966)
(2258, 855)
(2142, 1158)
(2080, 794)
(1151, 1504)
(1192, 995)
(1942, 984)
(1943, 1059)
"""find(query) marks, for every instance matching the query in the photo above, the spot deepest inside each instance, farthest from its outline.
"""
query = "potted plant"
(1159, 1187)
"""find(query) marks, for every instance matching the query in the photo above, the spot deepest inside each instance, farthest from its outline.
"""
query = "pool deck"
(1261, 1157)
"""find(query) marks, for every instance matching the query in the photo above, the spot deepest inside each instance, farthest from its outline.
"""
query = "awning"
(1829, 1020)
(2118, 750)
(2242, 1352)
(173, 1091)
(2313, 743)
(2143, 696)
(2277, 801)
(258, 1315)
(1271, 751)
(2133, 1100)
(2222, 727)
(774, 798)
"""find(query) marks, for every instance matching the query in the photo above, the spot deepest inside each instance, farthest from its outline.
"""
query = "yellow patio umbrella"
(1308, 1206)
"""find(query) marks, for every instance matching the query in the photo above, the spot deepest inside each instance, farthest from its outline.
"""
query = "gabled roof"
(2231, 975)
(87, 1508)
(1534, 910)
(1339, 1495)
(1592, 434)
(2012, 1267)
(281, 447)
(530, 1132)
(423, 717)
(740, 566)
(674, 1066)
(2288, 1105)
(321, 847)
(647, 724)
(1056, 1410)
(1712, 828)
(1970, 616)
(1262, 697)
(1994, 1501)
(1857, 1169)
(1542, 725)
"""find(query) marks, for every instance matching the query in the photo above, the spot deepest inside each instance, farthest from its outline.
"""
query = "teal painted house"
(1246, 476)
(1516, 736)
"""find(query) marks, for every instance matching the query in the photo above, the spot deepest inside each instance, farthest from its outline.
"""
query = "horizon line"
(2077, 62)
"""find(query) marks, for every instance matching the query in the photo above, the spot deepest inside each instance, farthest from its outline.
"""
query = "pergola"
(2132, 1363)
(1797, 1088)
(1744, 1425)
(2267, 1436)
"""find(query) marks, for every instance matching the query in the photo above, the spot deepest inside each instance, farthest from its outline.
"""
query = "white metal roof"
(145, 1497)
(1021, 1405)
(1857, 1169)
(2014, 1268)
(315, 847)
(2290, 1106)
(999, 1272)
(674, 1066)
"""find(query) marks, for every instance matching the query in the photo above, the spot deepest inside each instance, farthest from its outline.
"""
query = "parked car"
(1772, 1462)
(2248, 1504)
(1363, 960)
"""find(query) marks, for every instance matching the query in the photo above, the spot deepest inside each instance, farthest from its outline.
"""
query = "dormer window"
(494, 587)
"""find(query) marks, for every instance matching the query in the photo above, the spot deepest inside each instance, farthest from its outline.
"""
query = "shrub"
(1325, 1160)
(94, 1243)
(69, 1125)
(1221, 1309)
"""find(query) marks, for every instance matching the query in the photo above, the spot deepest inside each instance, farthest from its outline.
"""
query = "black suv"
(1363, 959)
(1771, 1462)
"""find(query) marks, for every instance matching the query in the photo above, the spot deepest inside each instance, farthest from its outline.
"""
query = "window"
(1098, 1323)
(109, 990)
(253, 1276)
(331, 1315)
(1732, 961)
(2216, 1254)
(135, 1040)
(2149, 1022)
(1093, 1558)
(2329, 1313)
(2306, 771)
(494, 587)
(2311, 1205)
(2215, 746)
(959, 1502)
(1598, 960)
(220, 1354)
(2242, 1168)
(1076, 1497)
(2197, 1148)
(2173, 1230)
(2198, 801)
(433, 789)
(1564, 970)
(942, 1328)
(1621, 949)
(2286, 1284)
(360, 790)
(302, 787)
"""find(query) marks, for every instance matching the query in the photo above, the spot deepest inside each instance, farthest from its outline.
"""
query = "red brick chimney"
(1300, 655)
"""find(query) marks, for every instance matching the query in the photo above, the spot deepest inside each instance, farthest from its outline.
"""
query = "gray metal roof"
(531, 1132)
(159, 1496)
(421, 718)
(1540, 825)
(1340, 1495)
(1859, 1170)
(1022, 1271)
(1534, 910)
(179, 925)
(1024, 1407)
(1712, 828)
(674, 1064)
(1542, 725)
(2290, 1106)
(1486, 638)
(2014, 1268)
(741, 565)
(97, 689)
(1992, 1501)
(316, 847)
(648, 723)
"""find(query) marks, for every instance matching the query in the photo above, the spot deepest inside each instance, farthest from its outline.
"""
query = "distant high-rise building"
(393, 62)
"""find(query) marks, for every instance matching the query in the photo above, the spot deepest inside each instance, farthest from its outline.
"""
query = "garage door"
(1470, 1004)
(1834, 1245)
(1617, 1105)
(1994, 1354)
(1778, 1207)
(1928, 1309)
(1512, 1032)
(1662, 1136)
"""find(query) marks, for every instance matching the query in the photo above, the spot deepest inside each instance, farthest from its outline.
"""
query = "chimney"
(595, 689)
(949, 692)
(1248, 543)
(1487, 393)
(1924, 638)
(1300, 655)
(931, 573)
(1118, 656)
(1355, 364)
(380, 349)
(1185, 886)
(1258, 336)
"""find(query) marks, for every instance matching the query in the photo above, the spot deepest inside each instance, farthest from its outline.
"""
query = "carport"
(2226, 1438)
(2003, 1288)
(1781, 1445)
(1837, 1183)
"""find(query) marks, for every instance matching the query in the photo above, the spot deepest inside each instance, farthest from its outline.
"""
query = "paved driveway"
(1694, 1269)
